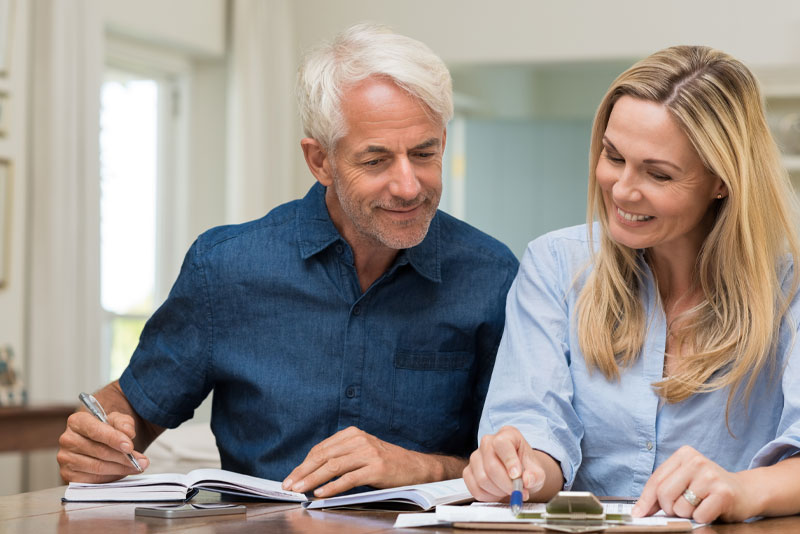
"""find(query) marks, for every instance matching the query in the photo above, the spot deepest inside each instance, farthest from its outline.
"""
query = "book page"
(425, 496)
(220, 479)
(446, 491)
(139, 480)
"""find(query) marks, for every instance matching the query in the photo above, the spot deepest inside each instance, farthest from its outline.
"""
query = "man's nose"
(404, 183)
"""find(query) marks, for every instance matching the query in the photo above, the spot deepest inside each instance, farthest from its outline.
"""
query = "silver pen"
(93, 406)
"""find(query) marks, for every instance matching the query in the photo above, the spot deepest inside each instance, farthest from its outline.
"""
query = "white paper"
(417, 520)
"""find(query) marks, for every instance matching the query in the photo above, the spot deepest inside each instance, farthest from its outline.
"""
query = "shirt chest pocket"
(430, 391)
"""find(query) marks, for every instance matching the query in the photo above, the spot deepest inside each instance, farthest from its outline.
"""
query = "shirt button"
(350, 392)
(649, 445)
(339, 249)
(357, 309)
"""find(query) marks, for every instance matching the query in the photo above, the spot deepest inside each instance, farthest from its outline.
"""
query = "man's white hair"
(362, 51)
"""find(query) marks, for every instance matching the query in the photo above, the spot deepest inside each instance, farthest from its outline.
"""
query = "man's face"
(387, 170)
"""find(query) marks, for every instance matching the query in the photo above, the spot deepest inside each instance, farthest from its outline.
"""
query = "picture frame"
(5, 219)
(6, 29)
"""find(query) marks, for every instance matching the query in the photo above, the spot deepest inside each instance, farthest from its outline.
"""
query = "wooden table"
(26, 428)
(42, 511)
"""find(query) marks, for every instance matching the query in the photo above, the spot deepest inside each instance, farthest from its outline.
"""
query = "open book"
(178, 487)
(419, 496)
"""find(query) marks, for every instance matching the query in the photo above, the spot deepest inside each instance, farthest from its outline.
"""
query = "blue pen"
(516, 496)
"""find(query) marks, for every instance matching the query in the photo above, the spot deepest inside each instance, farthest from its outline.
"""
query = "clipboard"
(578, 512)
(671, 526)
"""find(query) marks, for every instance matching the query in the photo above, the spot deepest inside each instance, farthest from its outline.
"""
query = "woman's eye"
(614, 158)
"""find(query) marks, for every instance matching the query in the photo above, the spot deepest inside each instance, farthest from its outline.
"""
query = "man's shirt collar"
(316, 232)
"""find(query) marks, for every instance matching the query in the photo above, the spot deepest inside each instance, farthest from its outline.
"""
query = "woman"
(652, 353)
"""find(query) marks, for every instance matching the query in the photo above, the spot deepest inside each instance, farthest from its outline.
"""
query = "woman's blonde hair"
(731, 335)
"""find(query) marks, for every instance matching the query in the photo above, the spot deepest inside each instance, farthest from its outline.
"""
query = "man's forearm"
(441, 467)
(113, 399)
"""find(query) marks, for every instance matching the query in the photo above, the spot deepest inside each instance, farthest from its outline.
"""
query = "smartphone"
(175, 511)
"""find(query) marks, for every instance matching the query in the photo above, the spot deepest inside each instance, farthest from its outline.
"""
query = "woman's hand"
(690, 485)
(504, 456)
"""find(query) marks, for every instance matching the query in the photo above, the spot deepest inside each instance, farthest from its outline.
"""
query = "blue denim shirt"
(270, 316)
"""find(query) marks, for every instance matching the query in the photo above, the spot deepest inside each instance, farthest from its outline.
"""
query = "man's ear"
(317, 160)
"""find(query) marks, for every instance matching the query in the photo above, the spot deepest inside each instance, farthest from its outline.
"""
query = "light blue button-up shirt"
(609, 436)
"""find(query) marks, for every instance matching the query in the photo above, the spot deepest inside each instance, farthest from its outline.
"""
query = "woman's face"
(656, 190)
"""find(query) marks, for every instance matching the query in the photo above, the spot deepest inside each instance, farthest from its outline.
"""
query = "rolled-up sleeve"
(531, 386)
(167, 377)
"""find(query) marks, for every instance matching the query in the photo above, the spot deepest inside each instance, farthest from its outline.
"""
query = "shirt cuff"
(142, 404)
(549, 445)
(775, 451)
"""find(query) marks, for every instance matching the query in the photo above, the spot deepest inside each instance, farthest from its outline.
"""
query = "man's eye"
(373, 162)
(425, 155)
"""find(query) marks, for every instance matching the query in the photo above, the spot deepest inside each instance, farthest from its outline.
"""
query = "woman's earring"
(719, 196)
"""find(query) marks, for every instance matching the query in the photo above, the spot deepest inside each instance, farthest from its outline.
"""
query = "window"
(128, 176)
(139, 131)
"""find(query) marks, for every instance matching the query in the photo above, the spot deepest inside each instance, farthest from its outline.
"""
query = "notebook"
(416, 497)
(180, 487)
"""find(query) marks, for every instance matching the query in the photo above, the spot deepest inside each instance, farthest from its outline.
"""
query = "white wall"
(468, 31)
(12, 147)
(207, 146)
(197, 26)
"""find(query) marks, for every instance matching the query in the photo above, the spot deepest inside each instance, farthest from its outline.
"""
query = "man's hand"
(507, 455)
(361, 459)
(92, 451)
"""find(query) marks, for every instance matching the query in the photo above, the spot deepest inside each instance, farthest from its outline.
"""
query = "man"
(348, 336)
